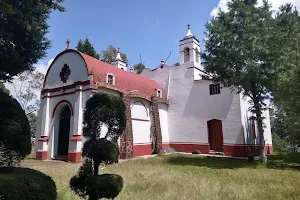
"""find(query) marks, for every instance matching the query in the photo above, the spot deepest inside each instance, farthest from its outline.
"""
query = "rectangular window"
(110, 79)
(214, 89)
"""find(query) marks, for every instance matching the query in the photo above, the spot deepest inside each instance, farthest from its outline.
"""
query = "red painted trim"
(74, 157)
(63, 101)
(67, 93)
(61, 53)
(43, 139)
(245, 151)
(189, 148)
(41, 155)
(231, 150)
(141, 150)
(67, 87)
(76, 138)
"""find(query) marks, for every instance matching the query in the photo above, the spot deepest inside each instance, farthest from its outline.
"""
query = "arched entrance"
(215, 135)
(64, 131)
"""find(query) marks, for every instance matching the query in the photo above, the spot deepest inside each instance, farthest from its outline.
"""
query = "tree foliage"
(23, 29)
(104, 110)
(15, 141)
(139, 67)
(109, 55)
(87, 48)
(101, 151)
(286, 92)
(240, 50)
(26, 86)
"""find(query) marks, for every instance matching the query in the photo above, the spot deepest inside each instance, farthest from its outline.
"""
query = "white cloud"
(275, 5)
(43, 67)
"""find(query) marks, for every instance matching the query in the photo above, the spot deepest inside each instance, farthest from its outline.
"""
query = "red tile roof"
(127, 81)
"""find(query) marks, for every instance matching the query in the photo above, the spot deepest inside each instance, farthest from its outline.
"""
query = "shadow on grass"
(276, 161)
(211, 162)
(284, 161)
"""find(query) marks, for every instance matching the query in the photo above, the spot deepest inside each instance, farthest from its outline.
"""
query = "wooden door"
(215, 135)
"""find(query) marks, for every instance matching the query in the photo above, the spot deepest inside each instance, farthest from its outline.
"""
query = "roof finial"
(189, 33)
(162, 61)
(131, 69)
(118, 55)
(68, 43)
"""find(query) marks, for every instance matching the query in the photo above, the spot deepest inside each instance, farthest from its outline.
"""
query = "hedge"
(25, 184)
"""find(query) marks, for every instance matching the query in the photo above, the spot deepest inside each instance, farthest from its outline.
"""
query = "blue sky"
(152, 28)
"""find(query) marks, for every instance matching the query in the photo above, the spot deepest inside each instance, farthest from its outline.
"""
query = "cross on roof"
(68, 43)
(188, 26)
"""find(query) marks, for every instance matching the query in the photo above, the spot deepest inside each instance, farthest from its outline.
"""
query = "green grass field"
(191, 177)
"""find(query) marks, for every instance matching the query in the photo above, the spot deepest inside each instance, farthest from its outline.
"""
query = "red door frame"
(219, 144)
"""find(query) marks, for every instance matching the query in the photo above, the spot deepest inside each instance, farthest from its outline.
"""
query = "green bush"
(85, 183)
(25, 184)
(101, 151)
(106, 185)
(15, 135)
(279, 145)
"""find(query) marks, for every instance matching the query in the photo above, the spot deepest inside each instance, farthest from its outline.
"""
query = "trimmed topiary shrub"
(106, 185)
(85, 183)
(196, 152)
(25, 184)
(101, 151)
(101, 109)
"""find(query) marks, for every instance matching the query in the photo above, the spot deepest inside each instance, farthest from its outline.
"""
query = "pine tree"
(87, 48)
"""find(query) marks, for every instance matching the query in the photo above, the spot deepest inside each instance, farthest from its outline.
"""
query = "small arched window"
(159, 93)
(187, 54)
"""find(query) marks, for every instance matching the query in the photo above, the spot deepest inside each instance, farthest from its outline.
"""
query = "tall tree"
(26, 87)
(109, 55)
(286, 93)
(239, 51)
(23, 29)
(139, 67)
(87, 48)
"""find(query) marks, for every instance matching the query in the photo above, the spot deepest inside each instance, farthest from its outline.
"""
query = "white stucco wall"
(163, 119)
(76, 65)
(245, 114)
(140, 114)
(191, 106)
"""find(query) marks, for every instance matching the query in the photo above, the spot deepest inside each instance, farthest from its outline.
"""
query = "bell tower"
(189, 48)
(119, 63)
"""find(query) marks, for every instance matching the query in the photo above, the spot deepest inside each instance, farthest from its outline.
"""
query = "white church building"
(175, 107)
